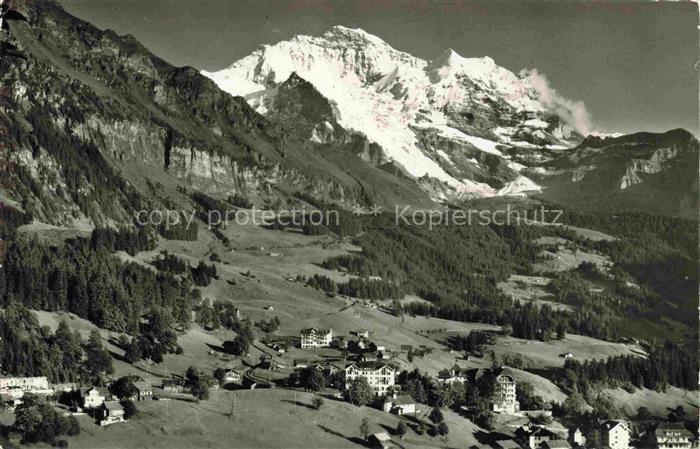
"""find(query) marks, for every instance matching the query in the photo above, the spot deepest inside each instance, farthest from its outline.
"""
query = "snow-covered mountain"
(451, 123)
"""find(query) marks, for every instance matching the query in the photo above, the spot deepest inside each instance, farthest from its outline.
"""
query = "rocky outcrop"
(650, 166)
(96, 118)
(650, 172)
(466, 160)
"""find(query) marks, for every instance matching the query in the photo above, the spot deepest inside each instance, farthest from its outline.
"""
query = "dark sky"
(634, 65)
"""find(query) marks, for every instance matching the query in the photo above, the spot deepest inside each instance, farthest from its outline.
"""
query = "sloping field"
(658, 403)
(530, 289)
(258, 419)
(550, 354)
(566, 259)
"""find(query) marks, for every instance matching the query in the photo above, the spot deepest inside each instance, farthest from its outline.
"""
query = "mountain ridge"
(395, 98)
(99, 120)
(93, 91)
(650, 172)
(459, 127)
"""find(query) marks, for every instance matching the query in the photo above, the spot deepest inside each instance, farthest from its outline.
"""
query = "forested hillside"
(457, 268)
(84, 277)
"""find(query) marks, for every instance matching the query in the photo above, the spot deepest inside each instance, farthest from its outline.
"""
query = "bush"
(541, 419)
(203, 274)
(129, 408)
(317, 402)
(198, 383)
(71, 426)
(312, 379)
(436, 415)
(39, 421)
(237, 346)
(360, 393)
(123, 388)
(240, 201)
(401, 429)
(484, 419)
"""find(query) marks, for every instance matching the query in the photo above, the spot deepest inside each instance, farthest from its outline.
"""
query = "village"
(354, 369)
(269, 224)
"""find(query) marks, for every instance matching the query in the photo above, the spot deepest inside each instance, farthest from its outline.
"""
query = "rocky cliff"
(649, 172)
(95, 118)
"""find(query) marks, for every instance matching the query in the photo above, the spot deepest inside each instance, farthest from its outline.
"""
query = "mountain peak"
(398, 101)
(449, 57)
(352, 34)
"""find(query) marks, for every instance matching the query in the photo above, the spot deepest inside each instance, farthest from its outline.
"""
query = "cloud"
(574, 113)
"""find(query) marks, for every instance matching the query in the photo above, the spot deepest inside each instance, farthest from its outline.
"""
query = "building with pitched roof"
(16, 387)
(380, 376)
(503, 399)
(381, 440)
(143, 390)
(576, 437)
(532, 436)
(399, 404)
(555, 444)
(316, 338)
(454, 374)
(110, 413)
(615, 434)
(94, 397)
(672, 436)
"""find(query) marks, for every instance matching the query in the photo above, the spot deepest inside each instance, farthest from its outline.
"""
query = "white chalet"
(576, 437)
(94, 397)
(533, 436)
(503, 400)
(615, 434)
(232, 376)
(454, 374)
(316, 338)
(400, 404)
(380, 376)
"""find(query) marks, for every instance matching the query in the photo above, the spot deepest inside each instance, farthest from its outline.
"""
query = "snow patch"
(536, 123)
(519, 186)
(485, 145)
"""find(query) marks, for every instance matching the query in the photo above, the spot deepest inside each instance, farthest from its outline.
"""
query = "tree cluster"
(203, 273)
(91, 283)
(198, 383)
(27, 349)
(39, 421)
(130, 241)
(667, 364)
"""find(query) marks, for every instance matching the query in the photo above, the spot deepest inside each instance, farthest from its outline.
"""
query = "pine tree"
(364, 428)
(98, 361)
(436, 415)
